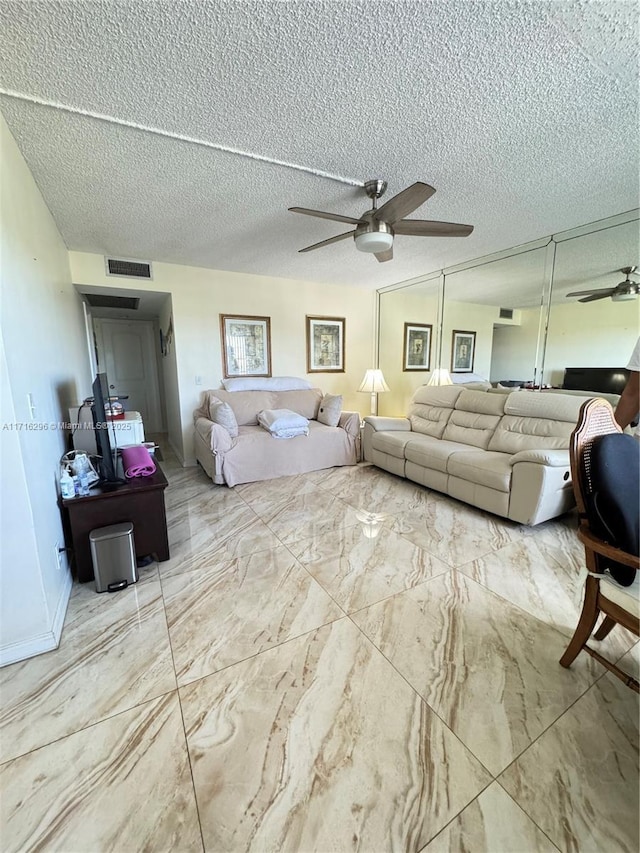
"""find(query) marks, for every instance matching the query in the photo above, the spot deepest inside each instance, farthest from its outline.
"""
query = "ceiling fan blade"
(431, 228)
(321, 214)
(601, 294)
(327, 242)
(384, 256)
(593, 291)
(404, 203)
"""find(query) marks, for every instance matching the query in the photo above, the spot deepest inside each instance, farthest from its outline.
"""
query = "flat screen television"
(107, 467)
(603, 380)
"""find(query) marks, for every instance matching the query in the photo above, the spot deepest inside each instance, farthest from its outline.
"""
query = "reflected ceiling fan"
(375, 229)
(626, 290)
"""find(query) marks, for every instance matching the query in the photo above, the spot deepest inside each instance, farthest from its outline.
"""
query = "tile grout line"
(184, 727)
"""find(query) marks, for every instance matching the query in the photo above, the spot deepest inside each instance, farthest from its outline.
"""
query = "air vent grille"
(506, 313)
(129, 269)
(99, 300)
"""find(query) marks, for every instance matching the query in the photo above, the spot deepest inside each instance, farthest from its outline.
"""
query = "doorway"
(127, 354)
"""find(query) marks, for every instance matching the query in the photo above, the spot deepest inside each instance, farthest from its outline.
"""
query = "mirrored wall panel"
(600, 332)
(408, 341)
(492, 319)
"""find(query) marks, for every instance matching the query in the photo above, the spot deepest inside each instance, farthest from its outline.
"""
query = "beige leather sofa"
(254, 454)
(505, 453)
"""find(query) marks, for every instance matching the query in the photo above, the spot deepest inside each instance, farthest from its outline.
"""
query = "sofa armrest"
(378, 423)
(350, 423)
(553, 458)
(215, 435)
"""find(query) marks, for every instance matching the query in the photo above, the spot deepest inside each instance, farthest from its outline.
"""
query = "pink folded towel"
(137, 461)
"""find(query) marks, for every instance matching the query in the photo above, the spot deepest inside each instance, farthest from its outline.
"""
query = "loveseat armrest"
(215, 435)
(553, 458)
(350, 423)
(378, 423)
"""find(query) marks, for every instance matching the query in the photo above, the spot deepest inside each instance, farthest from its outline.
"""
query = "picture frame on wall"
(463, 350)
(325, 344)
(417, 346)
(246, 345)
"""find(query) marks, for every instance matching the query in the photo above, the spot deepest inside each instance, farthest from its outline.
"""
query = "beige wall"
(199, 296)
(46, 357)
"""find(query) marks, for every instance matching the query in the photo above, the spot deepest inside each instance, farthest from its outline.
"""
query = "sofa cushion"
(222, 414)
(437, 395)
(391, 443)
(433, 453)
(480, 402)
(330, 409)
(474, 418)
(256, 456)
(245, 404)
(431, 408)
(484, 467)
(304, 402)
(535, 421)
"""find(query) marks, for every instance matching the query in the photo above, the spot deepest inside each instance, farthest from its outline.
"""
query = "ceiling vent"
(128, 269)
(506, 313)
(100, 300)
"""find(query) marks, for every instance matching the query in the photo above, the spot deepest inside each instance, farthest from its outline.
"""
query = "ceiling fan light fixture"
(623, 297)
(373, 241)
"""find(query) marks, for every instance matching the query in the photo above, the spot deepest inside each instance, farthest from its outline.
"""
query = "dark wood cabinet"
(140, 501)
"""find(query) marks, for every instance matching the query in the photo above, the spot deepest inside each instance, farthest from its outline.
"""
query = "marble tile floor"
(339, 661)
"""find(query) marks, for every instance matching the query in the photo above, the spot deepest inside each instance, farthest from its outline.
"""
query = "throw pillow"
(330, 409)
(222, 414)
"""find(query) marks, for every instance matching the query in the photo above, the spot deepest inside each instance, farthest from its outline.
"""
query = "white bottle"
(83, 479)
(67, 488)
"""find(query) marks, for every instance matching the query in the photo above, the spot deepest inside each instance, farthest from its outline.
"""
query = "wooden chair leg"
(605, 628)
(588, 619)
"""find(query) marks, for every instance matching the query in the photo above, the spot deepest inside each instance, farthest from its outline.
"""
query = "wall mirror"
(512, 308)
(403, 315)
(603, 332)
(499, 302)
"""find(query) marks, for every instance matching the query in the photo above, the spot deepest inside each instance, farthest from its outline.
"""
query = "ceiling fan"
(375, 229)
(622, 292)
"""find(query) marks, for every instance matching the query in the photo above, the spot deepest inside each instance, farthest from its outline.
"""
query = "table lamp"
(373, 383)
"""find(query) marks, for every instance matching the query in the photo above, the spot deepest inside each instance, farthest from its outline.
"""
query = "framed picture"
(417, 346)
(246, 345)
(325, 344)
(463, 350)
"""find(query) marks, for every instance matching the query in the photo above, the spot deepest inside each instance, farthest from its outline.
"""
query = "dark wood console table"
(140, 501)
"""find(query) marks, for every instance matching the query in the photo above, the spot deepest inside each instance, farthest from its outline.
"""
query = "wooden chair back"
(595, 418)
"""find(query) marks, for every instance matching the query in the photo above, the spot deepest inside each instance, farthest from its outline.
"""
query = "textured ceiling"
(523, 115)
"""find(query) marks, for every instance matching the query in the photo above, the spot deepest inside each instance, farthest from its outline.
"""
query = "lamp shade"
(440, 376)
(373, 382)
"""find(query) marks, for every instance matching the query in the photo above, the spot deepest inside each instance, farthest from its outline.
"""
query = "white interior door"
(127, 354)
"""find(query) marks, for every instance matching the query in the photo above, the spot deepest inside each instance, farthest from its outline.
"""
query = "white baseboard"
(45, 642)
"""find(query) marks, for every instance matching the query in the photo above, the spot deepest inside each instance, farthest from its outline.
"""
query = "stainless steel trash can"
(114, 557)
